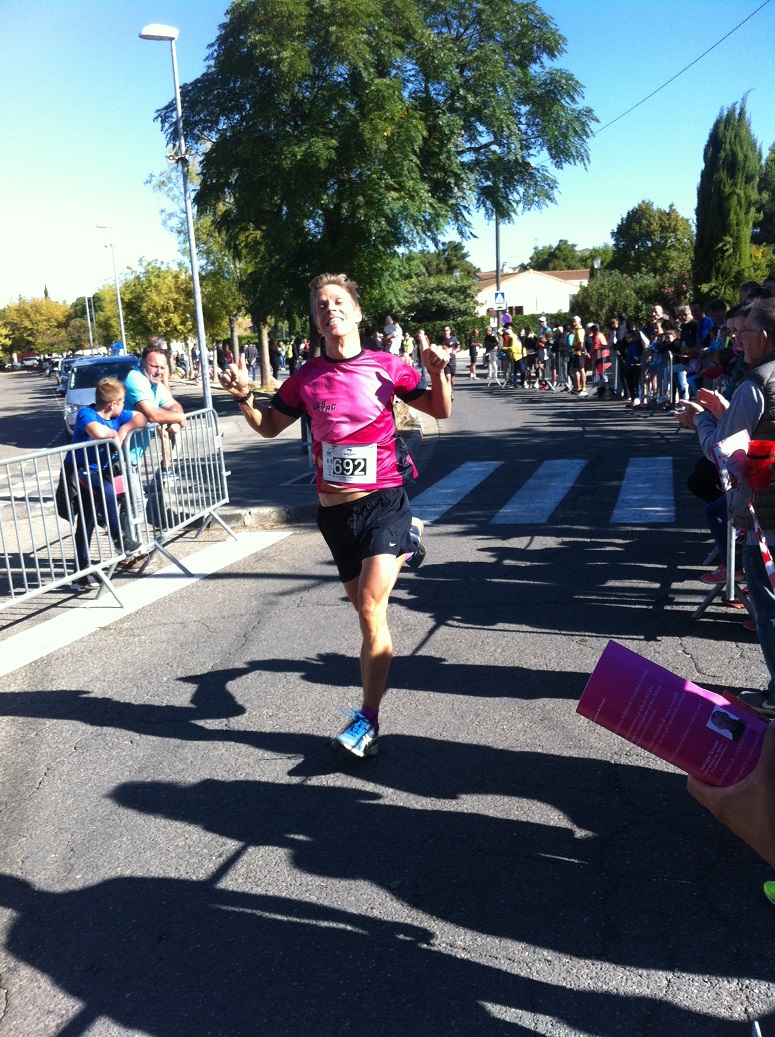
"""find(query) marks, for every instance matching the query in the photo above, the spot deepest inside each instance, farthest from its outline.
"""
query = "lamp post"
(88, 321)
(109, 229)
(596, 265)
(167, 32)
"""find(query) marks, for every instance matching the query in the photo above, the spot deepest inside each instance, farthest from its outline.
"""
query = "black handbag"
(66, 491)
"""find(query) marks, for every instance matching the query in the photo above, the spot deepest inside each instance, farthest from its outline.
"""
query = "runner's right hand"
(235, 378)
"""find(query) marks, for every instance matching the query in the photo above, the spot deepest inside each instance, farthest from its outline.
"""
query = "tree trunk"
(268, 383)
(315, 340)
(234, 338)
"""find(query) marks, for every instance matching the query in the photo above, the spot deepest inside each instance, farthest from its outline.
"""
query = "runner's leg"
(370, 593)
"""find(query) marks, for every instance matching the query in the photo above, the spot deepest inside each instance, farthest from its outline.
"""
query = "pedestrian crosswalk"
(536, 499)
(644, 496)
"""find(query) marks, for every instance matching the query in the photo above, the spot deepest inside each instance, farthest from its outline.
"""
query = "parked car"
(63, 374)
(84, 375)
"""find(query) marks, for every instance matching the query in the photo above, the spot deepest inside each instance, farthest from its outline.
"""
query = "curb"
(267, 516)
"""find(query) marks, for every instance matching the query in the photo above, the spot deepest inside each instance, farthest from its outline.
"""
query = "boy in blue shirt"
(106, 420)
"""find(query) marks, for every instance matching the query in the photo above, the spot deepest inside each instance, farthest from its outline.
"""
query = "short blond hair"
(340, 280)
(108, 390)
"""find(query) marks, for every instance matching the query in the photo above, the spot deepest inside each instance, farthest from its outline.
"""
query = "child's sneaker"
(415, 559)
(359, 737)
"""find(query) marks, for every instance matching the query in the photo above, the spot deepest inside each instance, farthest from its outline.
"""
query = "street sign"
(500, 300)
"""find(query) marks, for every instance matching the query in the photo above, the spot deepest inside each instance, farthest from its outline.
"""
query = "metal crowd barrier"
(161, 485)
(39, 546)
(175, 479)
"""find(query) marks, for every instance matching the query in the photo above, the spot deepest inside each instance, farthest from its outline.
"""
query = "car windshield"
(86, 376)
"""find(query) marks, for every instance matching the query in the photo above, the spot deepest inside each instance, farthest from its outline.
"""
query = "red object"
(759, 462)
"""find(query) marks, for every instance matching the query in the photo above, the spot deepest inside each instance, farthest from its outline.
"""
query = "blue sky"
(78, 91)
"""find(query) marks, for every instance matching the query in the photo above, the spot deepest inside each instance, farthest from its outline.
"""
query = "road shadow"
(168, 957)
(629, 857)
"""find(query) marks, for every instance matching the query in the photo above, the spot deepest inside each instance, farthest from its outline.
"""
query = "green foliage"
(762, 262)
(78, 334)
(5, 337)
(343, 133)
(440, 298)
(106, 323)
(650, 240)
(221, 262)
(36, 325)
(450, 260)
(156, 300)
(440, 285)
(613, 293)
(764, 228)
(567, 256)
(727, 199)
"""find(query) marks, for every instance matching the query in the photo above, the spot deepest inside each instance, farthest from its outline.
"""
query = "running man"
(347, 395)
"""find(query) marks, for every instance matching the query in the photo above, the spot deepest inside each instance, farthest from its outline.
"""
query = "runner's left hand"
(435, 359)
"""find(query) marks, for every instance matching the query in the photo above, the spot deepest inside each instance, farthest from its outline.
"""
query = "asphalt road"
(184, 856)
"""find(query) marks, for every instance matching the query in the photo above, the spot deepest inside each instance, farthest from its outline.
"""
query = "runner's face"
(336, 312)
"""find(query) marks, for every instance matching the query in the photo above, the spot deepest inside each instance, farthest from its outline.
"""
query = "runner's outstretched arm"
(437, 402)
(266, 421)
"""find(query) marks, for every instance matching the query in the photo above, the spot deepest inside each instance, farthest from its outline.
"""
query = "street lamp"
(596, 265)
(109, 229)
(88, 321)
(167, 32)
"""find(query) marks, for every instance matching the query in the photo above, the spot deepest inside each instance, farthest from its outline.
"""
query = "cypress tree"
(764, 231)
(727, 200)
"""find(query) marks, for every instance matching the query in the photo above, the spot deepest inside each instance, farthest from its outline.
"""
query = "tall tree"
(614, 293)
(566, 256)
(37, 324)
(727, 199)
(158, 300)
(347, 131)
(764, 229)
(650, 240)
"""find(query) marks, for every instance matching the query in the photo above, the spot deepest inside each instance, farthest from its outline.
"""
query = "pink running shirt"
(349, 406)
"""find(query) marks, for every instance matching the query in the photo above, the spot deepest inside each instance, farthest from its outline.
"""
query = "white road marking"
(432, 503)
(646, 496)
(534, 502)
(54, 634)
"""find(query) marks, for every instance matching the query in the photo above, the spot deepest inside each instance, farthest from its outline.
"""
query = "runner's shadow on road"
(167, 957)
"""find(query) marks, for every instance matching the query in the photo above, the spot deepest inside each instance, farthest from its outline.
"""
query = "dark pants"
(91, 508)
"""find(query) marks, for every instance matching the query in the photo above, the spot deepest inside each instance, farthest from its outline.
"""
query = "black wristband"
(243, 399)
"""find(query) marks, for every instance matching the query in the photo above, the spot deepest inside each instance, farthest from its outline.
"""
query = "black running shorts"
(375, 525)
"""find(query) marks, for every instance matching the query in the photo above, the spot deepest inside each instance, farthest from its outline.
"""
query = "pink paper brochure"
(717, 739)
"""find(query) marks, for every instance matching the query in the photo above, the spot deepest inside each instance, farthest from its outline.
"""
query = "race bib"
(350, 464)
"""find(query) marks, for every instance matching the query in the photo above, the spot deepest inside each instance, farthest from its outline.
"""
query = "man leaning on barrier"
(146, 388)
(147, 392)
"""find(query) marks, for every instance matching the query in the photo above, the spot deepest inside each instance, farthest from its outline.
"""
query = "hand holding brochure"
(714, 738)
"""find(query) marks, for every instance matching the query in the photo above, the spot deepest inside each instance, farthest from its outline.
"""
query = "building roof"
(488, 279)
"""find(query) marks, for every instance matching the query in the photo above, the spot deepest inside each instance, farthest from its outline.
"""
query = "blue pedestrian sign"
(500, 300)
